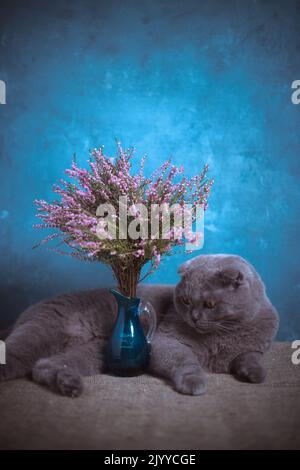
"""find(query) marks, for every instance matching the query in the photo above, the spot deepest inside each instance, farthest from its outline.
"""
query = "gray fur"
(218, 318)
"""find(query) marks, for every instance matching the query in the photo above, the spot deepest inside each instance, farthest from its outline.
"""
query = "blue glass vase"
(128, 349)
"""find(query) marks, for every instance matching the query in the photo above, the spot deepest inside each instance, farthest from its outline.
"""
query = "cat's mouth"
(205, 326)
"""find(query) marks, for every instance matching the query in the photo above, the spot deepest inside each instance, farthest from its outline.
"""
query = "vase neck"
(125, 302)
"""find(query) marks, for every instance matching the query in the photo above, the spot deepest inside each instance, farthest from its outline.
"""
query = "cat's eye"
(210, 304)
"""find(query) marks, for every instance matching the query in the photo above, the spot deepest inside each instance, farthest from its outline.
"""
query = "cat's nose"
(195, 316)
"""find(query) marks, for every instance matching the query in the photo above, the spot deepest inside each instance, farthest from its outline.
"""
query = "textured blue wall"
(203, 81)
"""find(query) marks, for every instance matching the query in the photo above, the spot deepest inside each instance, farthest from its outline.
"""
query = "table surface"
(146, 413)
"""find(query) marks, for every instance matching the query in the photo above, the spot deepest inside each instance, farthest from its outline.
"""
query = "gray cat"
(218, 318)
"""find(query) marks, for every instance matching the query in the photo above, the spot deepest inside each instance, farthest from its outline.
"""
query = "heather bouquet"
(106, 213)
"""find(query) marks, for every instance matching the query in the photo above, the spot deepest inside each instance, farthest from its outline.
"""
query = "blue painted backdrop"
(200, 80)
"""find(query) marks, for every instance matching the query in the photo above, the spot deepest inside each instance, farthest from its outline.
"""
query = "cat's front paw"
(248, 370)
(253, 373)
(190, 383)
(69, 383)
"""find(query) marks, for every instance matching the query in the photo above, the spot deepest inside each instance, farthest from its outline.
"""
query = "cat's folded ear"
(193, 263)
(184, 268)
(230, 277)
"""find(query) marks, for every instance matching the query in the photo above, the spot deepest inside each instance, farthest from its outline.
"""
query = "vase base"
(126, 372)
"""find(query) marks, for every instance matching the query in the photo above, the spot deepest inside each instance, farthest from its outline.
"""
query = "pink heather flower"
(157, 257)
(139, 253)
(103, 182)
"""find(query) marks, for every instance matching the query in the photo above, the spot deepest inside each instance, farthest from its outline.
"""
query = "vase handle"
(148, 309)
